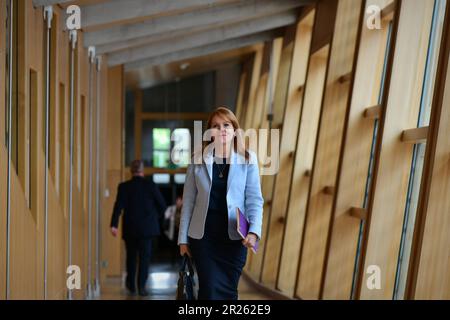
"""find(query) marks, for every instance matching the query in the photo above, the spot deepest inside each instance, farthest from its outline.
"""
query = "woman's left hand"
(250, 240)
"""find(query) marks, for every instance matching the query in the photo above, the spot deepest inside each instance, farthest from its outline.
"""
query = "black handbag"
(186, 282)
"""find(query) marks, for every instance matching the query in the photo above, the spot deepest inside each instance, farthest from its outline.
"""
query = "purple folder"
(243, 226)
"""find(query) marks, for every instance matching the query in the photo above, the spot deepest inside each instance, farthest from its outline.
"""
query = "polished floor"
(162, 285)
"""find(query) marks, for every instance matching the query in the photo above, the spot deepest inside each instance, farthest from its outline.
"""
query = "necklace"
(222, 169)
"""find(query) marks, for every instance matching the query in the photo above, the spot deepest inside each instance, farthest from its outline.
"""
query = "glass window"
(180, 178)
(161, 147)
(161, 178)
(419, 150)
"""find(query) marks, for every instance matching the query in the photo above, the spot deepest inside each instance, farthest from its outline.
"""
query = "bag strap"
(187, 261)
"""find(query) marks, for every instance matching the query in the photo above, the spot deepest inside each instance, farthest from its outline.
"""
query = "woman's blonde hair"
(238, 142)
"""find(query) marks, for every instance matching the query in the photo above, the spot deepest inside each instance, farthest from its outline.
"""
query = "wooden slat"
(3, 163)
(240, 98)
(247, 69)
(255, 263)
(329, 190)
(355, 162)
(386, 207)
(58, 195)
(323, 29)
(291, 124)
(342, 55)
(256, 72)
(373, 112)
(54, 111)
(303, 162)
(279, 104)
(358, 213)
(387, 12)
(416, 135)
(262, 87)
(345, 78)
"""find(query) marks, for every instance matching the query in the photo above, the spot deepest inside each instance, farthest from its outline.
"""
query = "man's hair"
(137, 166)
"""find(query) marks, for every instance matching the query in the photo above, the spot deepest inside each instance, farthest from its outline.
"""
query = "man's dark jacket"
(143, 207)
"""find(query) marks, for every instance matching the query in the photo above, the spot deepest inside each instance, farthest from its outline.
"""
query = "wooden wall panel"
(53, 108)
(26, 263)
(277, 47)
(80, 217)
(259, 102)
(118, 153)
(279, 104)
(386, 211)
(57, 241)
(3, 162)
(355, 163)
(262, 86)
(287, 149)
(62, 97)
(3, 78)
(255, 262)
(240, 96)
(328, 148)
(247, 70)
(27, 224)
(298, 193)
(323, 29)
(79, 253)
(111, 247)
(256, 73)
(3, 165)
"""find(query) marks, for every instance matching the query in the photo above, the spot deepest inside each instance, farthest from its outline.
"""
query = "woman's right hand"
(184, 249)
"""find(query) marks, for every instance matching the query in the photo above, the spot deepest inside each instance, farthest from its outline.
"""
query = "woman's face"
(222, 130)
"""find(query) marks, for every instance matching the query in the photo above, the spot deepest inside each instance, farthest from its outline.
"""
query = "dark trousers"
(138, 248)
(219, 267)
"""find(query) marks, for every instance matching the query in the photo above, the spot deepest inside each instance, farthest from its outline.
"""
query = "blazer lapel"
(209, 163)
(233, 168)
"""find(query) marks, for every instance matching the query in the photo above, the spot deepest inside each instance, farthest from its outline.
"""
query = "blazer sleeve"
(189, 196)
(253, 197)
(119, 205)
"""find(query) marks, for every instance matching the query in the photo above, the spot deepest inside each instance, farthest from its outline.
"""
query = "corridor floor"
(162, 285)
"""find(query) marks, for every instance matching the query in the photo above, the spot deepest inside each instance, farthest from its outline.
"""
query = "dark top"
(143, 207)
(217, 216)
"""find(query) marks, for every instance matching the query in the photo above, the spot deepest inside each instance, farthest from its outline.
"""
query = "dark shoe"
(131, 292)
(143, 293)
(131, 289)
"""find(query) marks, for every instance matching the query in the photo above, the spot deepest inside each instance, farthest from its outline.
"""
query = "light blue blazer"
(243, 192)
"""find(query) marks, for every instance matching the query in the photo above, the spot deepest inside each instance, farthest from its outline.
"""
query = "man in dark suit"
(143, 207)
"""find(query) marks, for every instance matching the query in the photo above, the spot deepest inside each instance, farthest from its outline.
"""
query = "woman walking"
(226, 179)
